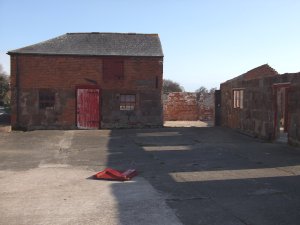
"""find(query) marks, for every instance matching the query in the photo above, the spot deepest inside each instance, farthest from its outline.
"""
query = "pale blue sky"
(204, 42)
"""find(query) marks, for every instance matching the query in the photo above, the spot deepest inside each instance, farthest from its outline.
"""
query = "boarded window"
(113, 69)
(238, 98)
(127, 102)
(46, 99)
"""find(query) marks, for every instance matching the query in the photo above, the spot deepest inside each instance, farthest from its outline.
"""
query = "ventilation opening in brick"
(113, 69)
(46, 99)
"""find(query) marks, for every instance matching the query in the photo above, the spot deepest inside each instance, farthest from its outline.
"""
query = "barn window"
(113, 69)
(127, 102)
(46, 99)
(238, 98)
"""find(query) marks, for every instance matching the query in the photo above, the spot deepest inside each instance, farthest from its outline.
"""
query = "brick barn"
(88, 81)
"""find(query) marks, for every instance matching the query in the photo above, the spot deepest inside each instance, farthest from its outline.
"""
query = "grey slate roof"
(97, 44)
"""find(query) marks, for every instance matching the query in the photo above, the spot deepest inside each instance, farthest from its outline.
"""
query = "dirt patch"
(4, 128)
(188, 124)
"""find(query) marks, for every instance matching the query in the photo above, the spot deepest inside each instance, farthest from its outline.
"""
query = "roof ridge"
(39, 43)
(97, 43)
(261, 66)
(128, 33)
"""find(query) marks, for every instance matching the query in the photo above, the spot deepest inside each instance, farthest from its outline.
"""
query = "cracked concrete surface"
(186, 176)
(55, 188)
(58, 195)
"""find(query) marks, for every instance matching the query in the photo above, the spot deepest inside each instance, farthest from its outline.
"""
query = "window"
(46, 99)
(113, 69)
(127, 102)
(238, 98)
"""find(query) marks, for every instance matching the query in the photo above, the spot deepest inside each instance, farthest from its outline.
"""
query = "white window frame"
(127, 102)
(238, 98)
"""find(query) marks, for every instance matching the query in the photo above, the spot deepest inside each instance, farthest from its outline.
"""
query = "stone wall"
(257, 117)
(181, 106)
(206, 105)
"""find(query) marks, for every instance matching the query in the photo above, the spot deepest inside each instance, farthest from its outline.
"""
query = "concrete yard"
(187, 175)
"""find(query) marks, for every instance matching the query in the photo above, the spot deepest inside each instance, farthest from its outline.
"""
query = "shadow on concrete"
(209, 175)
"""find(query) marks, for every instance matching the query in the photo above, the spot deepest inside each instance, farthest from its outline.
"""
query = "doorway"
(88, 107)
(281, 112)
(218, 108)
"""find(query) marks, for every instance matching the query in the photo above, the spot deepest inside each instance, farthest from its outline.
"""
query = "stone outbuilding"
(88, 81)
(264, 104)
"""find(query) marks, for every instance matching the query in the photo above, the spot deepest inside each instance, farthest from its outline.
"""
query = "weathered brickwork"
(206, 104)
(188, 106)
(181, 106)
(258, 114)
(30, 73)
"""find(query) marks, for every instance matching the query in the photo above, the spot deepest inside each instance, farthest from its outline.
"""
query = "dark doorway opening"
(217, 108)
(281, 91)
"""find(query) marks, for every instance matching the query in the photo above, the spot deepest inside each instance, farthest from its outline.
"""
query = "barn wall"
(142, 76)
(257, 115)
(148, 111)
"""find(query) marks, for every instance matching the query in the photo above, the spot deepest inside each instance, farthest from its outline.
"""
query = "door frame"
(218, 108)
(89, 86)
(277, 86)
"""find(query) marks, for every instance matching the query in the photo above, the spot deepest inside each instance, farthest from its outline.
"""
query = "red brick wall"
(69, 71)
(188, 106)
(181, 106)
(64, 73)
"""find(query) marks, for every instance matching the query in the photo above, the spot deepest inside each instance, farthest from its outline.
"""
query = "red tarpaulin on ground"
(112, 174)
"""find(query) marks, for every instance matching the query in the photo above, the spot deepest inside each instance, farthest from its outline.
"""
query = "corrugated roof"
(97, 44)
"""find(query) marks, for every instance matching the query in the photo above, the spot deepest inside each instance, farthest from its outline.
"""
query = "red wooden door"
(88, 108)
